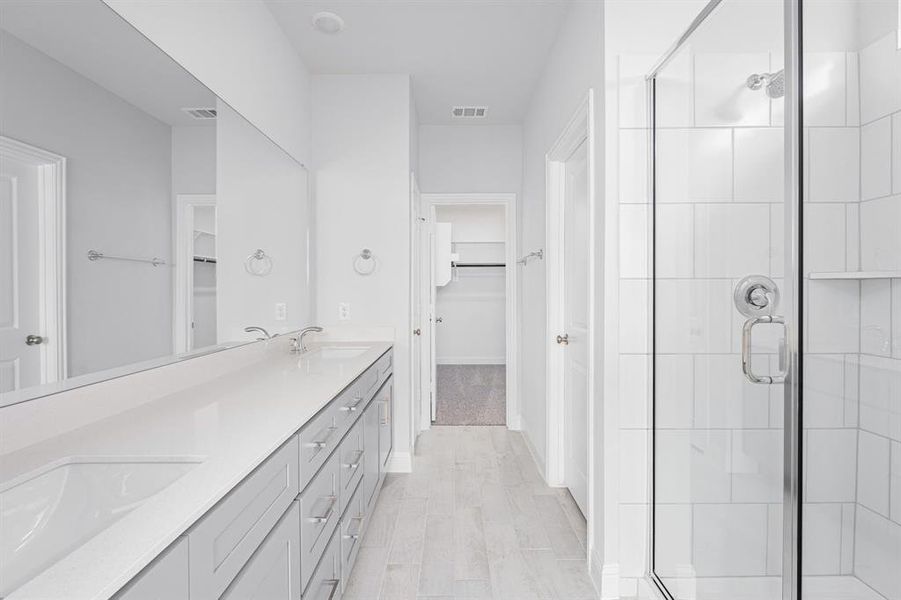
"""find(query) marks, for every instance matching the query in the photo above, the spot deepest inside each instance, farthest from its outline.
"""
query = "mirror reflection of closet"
(204, 288)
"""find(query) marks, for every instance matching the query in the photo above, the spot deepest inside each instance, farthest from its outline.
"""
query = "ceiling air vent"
(470, 112)
(201, 114)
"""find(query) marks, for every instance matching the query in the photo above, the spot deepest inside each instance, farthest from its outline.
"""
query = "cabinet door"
(273, 572)
(221, 543)
(326, 581)
(165, 579)
(386, 420)
(370, 451)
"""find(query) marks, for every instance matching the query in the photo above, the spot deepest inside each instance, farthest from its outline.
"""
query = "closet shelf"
(855, 275)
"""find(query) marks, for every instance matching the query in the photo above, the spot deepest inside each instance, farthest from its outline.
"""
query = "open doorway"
(470, 336)
(469, 298)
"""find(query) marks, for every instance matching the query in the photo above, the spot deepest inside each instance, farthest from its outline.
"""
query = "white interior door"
(576, 250)
(20, 362)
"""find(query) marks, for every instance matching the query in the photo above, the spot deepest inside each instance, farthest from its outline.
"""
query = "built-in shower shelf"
(856, 275)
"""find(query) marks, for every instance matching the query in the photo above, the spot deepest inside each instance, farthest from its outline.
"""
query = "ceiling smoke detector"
(470, 112)
(201, 114)
(328, 22)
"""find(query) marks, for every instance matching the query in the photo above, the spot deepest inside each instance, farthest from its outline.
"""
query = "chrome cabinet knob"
(417, 331)
(439, 320)
(563, 340)
(34, 340)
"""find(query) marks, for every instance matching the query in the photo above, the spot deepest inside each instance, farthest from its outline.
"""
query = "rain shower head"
(773, 83)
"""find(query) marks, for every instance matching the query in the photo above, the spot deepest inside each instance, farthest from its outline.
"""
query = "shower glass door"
(718, 214)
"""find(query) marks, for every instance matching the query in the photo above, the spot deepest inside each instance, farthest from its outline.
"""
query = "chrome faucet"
(261, 330)
(297, 344)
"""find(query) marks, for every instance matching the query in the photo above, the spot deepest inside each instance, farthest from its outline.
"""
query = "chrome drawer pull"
(328, 515)
(356, 534)
(334, 583)
(352, 407)
(356, 463)
(323, 443)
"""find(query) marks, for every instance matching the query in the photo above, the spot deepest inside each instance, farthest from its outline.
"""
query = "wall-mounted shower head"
(774, 83)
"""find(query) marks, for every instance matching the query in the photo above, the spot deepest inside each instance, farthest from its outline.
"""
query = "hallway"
(473, 520)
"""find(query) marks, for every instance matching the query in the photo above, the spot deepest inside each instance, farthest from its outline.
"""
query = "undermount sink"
(339, 352)
(48, 513)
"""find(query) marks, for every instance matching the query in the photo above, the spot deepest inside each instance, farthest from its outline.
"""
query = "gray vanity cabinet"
(386, 424)
(291, 529)
(273, 572)
(166, 578)
(371, 451)
(224, 539)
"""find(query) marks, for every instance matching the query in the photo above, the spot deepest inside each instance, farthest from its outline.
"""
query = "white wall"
(262, 201)
(235, 48)
(470, 158)
(194, 160)
(574, 66)
(473, 305)
(362, 159)
(118, 201)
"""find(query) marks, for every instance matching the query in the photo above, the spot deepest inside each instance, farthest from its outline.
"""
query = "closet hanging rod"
(205, 259)
(95, 255)
(477, 265)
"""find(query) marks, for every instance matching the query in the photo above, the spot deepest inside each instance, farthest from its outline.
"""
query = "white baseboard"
(609, 576)
(514, 424)
(471, 360)
(400, 462)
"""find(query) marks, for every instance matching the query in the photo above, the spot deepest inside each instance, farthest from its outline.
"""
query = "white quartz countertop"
(231, 423)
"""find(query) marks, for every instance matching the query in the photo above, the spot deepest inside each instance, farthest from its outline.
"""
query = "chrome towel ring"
(258, 263)
(365, 263)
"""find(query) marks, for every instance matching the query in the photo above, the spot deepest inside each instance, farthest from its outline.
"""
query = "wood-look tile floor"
(473, 520)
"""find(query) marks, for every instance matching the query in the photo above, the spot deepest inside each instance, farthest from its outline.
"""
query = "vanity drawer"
(226, 537)
(317, 440)
(319, 515)
(325, 584)
(352, 524)
(165, 579)
(352, 462)
(273, 572)
(349, 406)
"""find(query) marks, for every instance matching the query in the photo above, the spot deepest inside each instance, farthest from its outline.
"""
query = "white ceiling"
(92, 40)
(458, 52)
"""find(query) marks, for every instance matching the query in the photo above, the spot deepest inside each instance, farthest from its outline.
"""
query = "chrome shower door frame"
(792, 295)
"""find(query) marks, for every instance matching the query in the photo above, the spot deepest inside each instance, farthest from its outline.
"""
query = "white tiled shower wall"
(720, 177)
(877, 337)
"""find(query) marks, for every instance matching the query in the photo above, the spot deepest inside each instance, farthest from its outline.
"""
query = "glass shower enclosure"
(775, 130)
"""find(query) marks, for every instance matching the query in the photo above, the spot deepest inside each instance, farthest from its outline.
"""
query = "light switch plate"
(344, 311)
(281, 311)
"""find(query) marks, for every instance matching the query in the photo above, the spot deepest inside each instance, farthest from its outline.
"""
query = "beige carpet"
(471, 395)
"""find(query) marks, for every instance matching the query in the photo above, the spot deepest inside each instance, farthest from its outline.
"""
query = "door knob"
(417, 331)
(34, 340)
(563, 340)
(439, 320)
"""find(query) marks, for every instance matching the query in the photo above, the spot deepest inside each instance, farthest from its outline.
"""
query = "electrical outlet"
(344, 311)
(281, 311)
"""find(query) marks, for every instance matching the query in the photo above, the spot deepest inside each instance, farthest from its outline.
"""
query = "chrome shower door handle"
(746, 350)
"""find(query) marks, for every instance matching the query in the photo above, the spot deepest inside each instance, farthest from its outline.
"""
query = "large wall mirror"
(136, 208)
